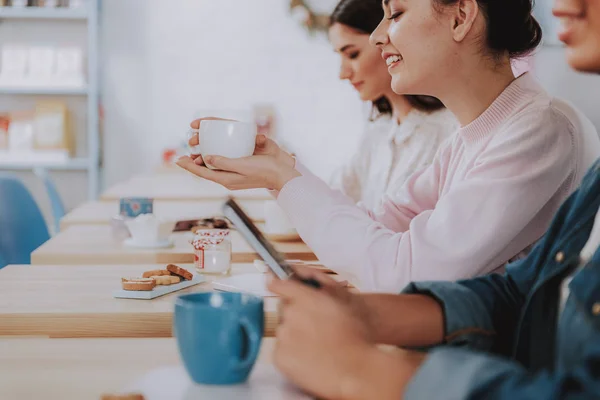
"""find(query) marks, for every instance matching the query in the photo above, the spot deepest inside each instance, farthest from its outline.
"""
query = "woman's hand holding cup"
(267, 166)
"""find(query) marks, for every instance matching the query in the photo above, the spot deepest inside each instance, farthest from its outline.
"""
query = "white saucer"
(173, 383)
(130, 242)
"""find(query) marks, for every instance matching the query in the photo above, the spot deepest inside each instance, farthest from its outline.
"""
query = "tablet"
(250, 232)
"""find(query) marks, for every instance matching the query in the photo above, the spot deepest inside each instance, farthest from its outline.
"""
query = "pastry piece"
(138, 284)
(156, 272)
(175, 279)
(178, 271)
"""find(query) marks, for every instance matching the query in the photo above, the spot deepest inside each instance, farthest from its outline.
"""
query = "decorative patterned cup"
(131, 207)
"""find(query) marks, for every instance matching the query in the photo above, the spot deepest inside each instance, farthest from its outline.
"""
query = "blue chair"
(58, 208)
(22, 225)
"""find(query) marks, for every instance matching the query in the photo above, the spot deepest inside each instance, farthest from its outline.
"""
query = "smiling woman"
(497, 31)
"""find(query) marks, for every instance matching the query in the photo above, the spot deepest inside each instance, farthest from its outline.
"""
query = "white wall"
(164, 62)
(552, 70)
(167, 61)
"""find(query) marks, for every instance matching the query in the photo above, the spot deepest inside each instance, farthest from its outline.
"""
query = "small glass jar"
(212, 251)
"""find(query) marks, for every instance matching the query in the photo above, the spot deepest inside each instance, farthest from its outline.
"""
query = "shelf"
(43, 13)
(57, 91)
(75, 164)
(86, 20)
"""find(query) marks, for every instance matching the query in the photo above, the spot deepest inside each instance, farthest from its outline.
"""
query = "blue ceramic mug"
(218, 335)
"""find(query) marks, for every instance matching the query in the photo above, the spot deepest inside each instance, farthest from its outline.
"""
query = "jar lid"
(211, 233)
(209, 237)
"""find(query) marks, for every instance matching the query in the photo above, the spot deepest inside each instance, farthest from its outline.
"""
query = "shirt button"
(596, 309)
(560, 256)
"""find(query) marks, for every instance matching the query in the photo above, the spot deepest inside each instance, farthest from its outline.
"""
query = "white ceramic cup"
(147, 228)
(231, 139)
(276, 221)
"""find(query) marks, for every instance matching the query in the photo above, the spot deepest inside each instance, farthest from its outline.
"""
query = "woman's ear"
(464, 14)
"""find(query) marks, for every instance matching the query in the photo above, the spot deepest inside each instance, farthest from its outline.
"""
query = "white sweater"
(389, 153)
(491, 191)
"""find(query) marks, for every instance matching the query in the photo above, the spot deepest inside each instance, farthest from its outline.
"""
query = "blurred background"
(94, 91)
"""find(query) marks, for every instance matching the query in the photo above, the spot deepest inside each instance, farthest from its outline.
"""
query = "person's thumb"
(262, 142)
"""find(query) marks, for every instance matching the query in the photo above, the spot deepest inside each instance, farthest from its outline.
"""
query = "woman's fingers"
(311, 273)
(193, 140)
(291, 290)
(221, 177)
(197, 159)
(261, 141)
(195, 124)
(237, 165)
(229, 180)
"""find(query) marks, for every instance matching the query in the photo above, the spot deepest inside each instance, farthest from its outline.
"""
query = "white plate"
(130, 242)
(255, 284)
(173, 383)
(158, 291)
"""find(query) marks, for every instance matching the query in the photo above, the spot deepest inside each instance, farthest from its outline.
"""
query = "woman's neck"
(473, 90)
(400, 106)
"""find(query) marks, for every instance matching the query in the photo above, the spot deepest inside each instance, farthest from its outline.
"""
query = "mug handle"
(254, 340)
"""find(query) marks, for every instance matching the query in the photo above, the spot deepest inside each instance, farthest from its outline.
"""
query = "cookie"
(138, 284)
(163, 280)
(178, 271)
(130, 396)
(156, 272)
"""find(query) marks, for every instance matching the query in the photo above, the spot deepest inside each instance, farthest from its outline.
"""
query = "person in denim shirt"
(531, 333)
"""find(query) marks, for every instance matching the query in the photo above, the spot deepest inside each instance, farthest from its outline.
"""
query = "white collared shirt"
(389, 153)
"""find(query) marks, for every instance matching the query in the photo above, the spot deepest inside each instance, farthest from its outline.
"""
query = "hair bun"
(512, 26)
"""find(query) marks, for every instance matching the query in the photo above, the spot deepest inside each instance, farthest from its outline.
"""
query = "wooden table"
(178, 187)
(82, 369)
(93, 244)
(100, 212)
(76, 301)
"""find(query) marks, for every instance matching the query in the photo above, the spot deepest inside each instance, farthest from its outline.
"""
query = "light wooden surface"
(93, 244)
(76, 301)
(177, 187)
(82, 369)
(100, 212)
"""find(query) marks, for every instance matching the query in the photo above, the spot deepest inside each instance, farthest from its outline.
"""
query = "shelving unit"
(86, 15)
(74, 164)
(43, 13)
(50, 91)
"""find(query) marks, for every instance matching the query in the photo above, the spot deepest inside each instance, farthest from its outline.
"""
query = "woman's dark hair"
(511, 26)
(365, 16)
